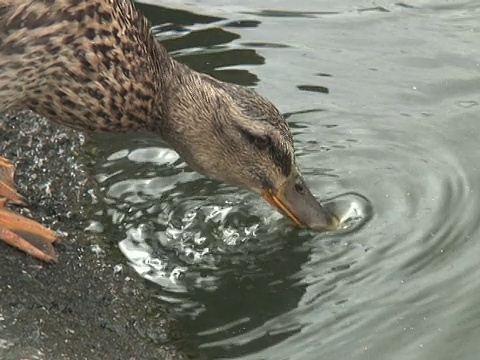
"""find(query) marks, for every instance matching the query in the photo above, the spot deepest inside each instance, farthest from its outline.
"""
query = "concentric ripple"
(194, 224)
(391, 144)
(202, 241)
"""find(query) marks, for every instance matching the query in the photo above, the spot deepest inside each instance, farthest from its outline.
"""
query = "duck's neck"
(93, 66)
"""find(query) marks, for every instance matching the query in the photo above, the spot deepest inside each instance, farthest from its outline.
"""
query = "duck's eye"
(300, 188)
(263, 141)
(260, 141)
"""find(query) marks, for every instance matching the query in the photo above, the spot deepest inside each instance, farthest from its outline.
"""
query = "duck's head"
(230, 133)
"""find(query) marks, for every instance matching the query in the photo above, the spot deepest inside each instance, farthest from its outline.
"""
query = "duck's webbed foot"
(7, 185)
(18, 231)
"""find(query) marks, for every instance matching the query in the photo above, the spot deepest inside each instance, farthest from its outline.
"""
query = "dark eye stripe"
(279, 155)
(281, 158)
(247, 135)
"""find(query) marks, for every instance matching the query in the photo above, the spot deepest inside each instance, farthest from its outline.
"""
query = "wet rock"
(86, 306)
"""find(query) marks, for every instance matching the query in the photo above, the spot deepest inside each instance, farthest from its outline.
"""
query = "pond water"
(382, 99)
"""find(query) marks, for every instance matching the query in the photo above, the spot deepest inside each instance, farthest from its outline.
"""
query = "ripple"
(398, 166)
(314, 88)
(263, 45)
(204, 241)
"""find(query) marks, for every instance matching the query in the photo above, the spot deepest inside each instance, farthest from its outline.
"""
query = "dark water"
(383, 102)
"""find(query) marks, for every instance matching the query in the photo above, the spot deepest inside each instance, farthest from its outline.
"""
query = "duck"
(96, 66)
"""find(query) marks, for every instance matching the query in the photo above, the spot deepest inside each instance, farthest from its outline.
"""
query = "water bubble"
(95, 227)
(96, 249)
(178, 274)
(353, 211)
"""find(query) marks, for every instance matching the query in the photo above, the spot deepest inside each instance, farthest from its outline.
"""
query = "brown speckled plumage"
(94, 65)
(91, 65)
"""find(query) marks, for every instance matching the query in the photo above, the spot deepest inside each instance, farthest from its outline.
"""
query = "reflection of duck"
(96, 66)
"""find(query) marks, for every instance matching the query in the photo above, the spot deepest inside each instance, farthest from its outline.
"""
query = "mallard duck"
(95, 65)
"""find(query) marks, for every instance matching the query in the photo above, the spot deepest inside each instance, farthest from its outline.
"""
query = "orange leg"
(18, 231)
(7, 185)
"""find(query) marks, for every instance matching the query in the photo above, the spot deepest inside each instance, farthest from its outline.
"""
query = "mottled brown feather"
(95, 65)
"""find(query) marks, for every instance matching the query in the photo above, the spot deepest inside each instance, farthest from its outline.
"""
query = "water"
(383, 102)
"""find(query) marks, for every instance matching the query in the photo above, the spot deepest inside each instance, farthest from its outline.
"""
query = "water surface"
(382, 99)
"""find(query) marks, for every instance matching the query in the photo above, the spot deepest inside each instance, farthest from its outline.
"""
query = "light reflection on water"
(393, 141)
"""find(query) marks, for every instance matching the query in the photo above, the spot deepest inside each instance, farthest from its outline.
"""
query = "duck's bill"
(295, 201)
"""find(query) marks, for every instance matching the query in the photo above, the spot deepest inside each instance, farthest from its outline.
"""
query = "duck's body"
(90, 65)
(95, 66)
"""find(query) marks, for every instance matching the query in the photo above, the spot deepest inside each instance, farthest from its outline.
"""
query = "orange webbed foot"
(18, 231)
(7, 185)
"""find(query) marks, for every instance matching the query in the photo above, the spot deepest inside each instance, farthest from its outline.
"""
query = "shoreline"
(86, 306)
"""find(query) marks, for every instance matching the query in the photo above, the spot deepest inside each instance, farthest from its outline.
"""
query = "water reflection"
(313, 88)
(404, 136)
(192, 35)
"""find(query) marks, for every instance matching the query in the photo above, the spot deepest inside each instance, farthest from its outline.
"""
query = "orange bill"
(295, 201)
